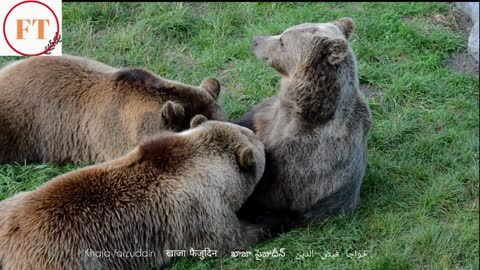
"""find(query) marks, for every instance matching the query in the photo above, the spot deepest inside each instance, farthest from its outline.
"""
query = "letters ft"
(41, 27)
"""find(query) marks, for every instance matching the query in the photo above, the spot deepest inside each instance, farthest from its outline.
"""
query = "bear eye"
(281, 42)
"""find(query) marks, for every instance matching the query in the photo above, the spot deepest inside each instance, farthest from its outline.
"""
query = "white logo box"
(31, 28)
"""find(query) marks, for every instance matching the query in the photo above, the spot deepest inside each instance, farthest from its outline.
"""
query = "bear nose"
(256, 40)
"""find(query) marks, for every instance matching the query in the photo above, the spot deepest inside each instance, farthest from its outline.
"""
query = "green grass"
(419, 203)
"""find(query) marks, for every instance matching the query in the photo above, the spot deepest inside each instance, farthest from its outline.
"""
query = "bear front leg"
(248, 119)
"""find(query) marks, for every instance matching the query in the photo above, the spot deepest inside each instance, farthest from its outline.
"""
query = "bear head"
(179, 102)
(305, 44)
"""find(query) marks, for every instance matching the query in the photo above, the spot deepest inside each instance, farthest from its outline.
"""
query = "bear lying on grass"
(68, 109)
(174, 192)
(315, 131)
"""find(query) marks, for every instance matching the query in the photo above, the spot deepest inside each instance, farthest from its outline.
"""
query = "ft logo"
(31, 27)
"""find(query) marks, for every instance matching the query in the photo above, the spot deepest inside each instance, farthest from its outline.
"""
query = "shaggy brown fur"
(69, 109)
(174, 192)
(315, 131)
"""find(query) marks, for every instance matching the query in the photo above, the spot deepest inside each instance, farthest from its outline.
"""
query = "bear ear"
(198, 120)
(172, 111)
(337, 49)
(245, 157)
(212, 86)
(346, 25)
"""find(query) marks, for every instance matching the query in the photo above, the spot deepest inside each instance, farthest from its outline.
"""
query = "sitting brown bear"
(177, 191)
(315, 131)
(68, 109)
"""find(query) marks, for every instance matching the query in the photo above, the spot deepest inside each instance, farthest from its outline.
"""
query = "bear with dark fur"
(175, 191)
(315, 131)
(69, 109)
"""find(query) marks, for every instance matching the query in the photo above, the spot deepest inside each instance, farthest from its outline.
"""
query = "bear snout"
(258, 48)
(256, 41)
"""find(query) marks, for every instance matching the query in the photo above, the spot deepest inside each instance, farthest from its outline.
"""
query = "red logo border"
(56, 36)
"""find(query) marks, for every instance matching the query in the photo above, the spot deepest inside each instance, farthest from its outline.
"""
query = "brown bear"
(68, 109)
(174, 192)
(315, 131)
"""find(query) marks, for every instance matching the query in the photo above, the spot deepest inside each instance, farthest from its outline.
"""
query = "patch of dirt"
(462, 62)
(182, 56)
(461, 21)
(188, 60)
(225, 77)
(369, 91)
(407, 18)
(198, 7)
(457, 21)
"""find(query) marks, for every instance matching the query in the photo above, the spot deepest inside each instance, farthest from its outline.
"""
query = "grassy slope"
(419, 205)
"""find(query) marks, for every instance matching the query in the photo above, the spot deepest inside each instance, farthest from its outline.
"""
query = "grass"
(419, 203)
